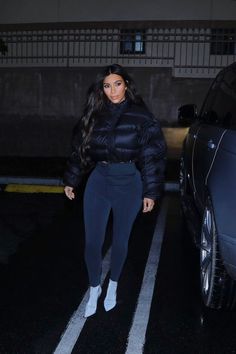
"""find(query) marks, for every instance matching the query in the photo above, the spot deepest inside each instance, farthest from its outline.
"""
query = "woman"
(123, 143)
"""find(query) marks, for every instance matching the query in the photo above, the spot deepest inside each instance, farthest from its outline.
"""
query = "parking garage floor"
(44, 280)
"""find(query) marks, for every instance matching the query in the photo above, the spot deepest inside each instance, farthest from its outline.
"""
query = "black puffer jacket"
(125, 132)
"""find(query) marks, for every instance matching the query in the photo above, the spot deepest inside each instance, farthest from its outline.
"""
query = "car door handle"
(211, 144)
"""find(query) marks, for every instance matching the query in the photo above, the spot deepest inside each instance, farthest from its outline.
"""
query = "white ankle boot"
(110, 299)
(91, 307)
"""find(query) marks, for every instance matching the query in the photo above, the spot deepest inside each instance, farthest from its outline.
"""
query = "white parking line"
(136, 338)
(77, 321)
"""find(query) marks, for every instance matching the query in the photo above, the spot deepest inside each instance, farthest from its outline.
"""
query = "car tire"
(217, 288)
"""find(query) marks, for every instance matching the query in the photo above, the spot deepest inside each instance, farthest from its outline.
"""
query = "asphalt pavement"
(44, 285)
(44, 282)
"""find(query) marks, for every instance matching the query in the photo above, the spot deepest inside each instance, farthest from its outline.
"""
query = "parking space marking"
(77, 320)
(30, 188)
(136, 338)
(40, 185)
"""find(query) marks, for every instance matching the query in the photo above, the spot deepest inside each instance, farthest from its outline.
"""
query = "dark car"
(208, 187)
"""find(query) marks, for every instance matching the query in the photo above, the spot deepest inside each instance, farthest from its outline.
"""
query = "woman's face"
(114, 88)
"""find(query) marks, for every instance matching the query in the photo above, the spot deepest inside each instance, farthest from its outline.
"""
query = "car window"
(207, 114)
(220, 106)
(228, 108)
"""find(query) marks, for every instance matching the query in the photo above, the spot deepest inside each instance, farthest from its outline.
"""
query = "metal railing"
(198, 50)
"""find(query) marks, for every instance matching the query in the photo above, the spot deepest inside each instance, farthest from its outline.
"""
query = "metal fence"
(191, 51)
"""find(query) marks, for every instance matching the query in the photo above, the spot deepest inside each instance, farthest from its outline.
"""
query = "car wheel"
(218, 289)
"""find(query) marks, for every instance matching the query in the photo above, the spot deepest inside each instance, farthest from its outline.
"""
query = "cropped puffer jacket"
(122, 133)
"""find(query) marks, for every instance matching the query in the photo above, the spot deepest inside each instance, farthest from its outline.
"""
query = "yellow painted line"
(30, 188)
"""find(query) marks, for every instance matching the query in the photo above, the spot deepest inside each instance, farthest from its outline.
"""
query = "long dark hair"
(96, 99)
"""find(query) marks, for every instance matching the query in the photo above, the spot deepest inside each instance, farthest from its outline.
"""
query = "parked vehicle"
(208, 187)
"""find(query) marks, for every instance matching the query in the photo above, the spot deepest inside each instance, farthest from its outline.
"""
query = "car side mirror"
(187, 114)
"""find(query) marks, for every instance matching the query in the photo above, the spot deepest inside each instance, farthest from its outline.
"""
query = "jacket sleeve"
(152, 158)
(73, 173)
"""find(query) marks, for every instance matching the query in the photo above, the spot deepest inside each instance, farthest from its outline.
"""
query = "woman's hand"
(148, 204)
(69, 192)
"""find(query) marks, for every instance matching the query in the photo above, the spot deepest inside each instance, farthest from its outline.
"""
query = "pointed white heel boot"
(110, 299)
(91, 306)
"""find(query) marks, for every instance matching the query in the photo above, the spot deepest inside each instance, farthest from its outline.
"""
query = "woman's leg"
(124, 213)
(96, 213)
(127, 201)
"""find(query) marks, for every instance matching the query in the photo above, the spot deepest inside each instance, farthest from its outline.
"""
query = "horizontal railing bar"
(119, 25)
(88, 57)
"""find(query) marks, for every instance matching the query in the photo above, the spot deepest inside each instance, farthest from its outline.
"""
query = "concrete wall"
(39, 107)
(26, 11)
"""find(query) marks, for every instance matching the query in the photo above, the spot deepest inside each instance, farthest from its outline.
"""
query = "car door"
(222, 178)
(206, 146)
(206, 142)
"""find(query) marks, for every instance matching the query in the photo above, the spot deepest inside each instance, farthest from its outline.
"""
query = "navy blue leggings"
(116, 187)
